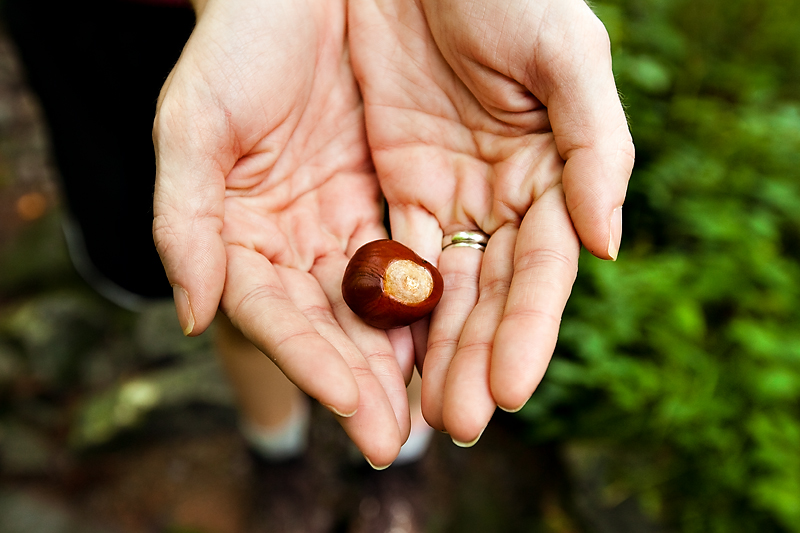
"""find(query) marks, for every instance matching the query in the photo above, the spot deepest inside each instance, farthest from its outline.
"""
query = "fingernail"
(379, 468)
(615, 233)
(513, 410)
(335, 411)
(468, 444)
(184, 309)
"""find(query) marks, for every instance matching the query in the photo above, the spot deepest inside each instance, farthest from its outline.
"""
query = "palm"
(282, 191)
(448, 159)
(436, 147)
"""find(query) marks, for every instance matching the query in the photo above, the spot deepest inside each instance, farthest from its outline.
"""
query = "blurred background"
(671, 404)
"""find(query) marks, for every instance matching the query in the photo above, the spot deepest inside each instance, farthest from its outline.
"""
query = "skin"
(264, 188)
(483, 115)
(501, 117)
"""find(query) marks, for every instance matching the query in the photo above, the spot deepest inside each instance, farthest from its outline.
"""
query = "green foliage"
(687, 350)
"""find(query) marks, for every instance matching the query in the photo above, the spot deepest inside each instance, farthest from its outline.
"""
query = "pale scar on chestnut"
(407, 282)
(389, 286)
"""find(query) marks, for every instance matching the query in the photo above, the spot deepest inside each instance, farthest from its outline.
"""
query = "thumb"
(574, 79)
(189, 202)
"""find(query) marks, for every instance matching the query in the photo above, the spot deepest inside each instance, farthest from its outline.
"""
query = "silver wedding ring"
(469, 239)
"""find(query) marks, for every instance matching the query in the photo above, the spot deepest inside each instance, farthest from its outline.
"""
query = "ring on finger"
(468, 239)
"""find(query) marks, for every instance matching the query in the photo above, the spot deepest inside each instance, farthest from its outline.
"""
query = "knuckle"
(537, 258)
(381, 362)
(446, 345)
(298, 338)
(495, 288)
(252, 300)
(628, 151)
(461, 281)
(594, 31)
(534, 315)
(319, 316)
(164, 236)
(476, 346)
(361, 372)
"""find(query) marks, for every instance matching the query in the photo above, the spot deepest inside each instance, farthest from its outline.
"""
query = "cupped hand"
(264, 188)
(501, 117)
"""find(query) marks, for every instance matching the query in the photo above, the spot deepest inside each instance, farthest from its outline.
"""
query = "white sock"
(283, 442)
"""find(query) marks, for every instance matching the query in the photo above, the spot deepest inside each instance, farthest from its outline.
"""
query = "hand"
(501, 117)
(264, 188)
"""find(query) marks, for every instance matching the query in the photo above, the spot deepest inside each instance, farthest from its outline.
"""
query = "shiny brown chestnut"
(389, 286)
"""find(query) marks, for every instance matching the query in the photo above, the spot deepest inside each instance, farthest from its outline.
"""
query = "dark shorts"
(97, 67)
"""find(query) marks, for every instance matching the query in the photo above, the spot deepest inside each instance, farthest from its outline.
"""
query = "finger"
(373, 428)
(460, 269)
(403, 345)
(419, 337)
(545, 267)
(420, 231)
(468, 403)
(188, 205)
(256, 302)
(373, 343)
(400, 339)
(436, 341)
(574, 79)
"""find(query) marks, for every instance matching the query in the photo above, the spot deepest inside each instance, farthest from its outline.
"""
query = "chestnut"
(389, 286)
